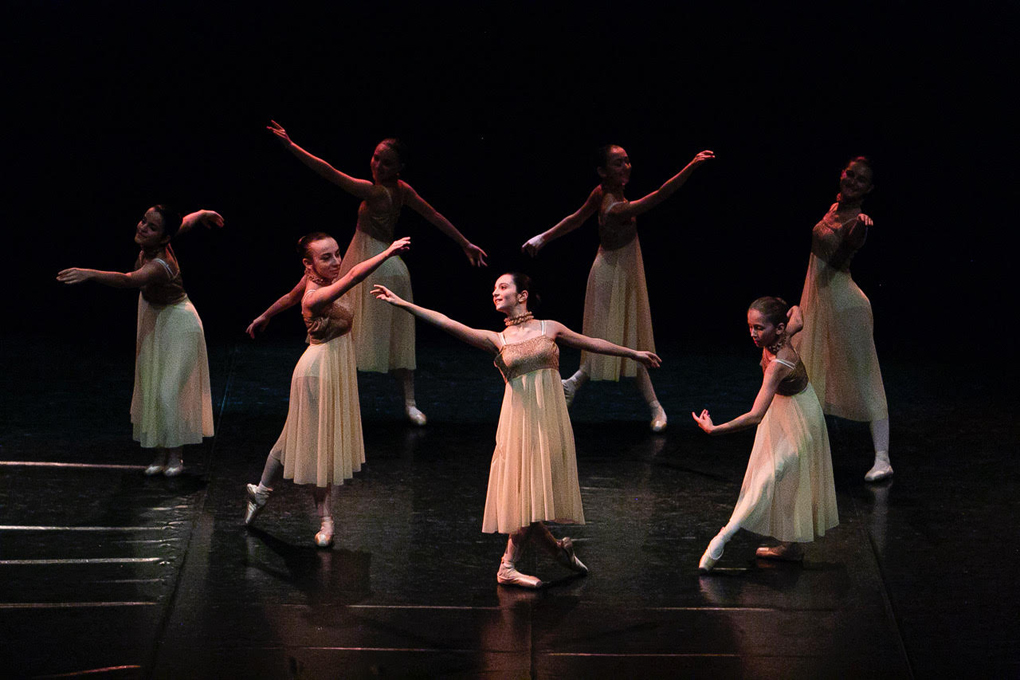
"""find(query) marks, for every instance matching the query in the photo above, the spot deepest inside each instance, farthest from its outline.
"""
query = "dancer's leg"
(880, 436)
(562, 549)
(644, 383)
(405, 377)
(324, 509)
(508, 574)
(575, 382)
(258, 496)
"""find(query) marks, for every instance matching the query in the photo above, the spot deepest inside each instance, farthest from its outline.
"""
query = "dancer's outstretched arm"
(626, 209)
(795, 321)
(574, 339)
(566, 225)
(285, 302)
(207, 218)
(475, 255)
(476, 337)
(321, 297)
(150, 272)
(774, 374)
(362, 188)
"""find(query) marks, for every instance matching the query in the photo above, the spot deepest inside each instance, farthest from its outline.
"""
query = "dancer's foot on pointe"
(324, 538)
(175, 466)
(414, 415)
(713, 553)
(882, 469)
(569, 390)
(508, 574)
(659, 419)
(567, 558)
(258, 496)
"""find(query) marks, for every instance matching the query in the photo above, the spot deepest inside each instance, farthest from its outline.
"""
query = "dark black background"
(111, 107)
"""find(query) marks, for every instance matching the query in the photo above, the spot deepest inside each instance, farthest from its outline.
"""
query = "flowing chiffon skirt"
(616, 309)
(533, 476)
(172, 403)
(837, 345)
(383, 334)
(788, 491)
(321, 442)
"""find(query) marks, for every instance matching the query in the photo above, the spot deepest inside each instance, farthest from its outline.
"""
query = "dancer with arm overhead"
(616, 301)
(171, 404)
(533, 475)
(788, 490)
(838, 342)
(383, 341)
(321, 442)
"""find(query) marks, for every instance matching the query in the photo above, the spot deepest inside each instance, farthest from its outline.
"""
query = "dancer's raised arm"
(207, 218)
(320, 297)
(362, 188)
(624, 210)
(475, 255)
(150, 272)
(476, 337)
(566, 225)
(574, 339)
(285, 302)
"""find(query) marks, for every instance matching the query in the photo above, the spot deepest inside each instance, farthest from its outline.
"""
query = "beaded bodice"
(334, 321)
(381, 224)
(534, 354)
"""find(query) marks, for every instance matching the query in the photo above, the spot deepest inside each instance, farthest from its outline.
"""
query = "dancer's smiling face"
(324, 258)
(149, 231)
(386, 165)
(855, 181)
(616, 171)
(763, 331)
(506, 296)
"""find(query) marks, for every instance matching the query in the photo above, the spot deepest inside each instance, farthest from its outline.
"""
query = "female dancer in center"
(533, 476)
(838, 343)
(616, 301)
(171, 404)
(383, 341)
(321, 442)
(788, 490)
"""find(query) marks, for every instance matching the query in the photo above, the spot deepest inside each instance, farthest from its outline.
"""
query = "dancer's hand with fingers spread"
(386, 295)
(278, 130)
(258, 325)
(401, 245)
(475, 255)
(704, 421)
(648, 359)
(865, 220)
(702, 157)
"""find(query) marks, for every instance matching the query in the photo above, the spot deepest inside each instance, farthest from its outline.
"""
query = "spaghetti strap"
(502, 339)
(785, 363)
(543, 326)
(169, 270)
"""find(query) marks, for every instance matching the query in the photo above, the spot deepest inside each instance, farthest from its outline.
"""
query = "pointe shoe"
(659, 419)
(569, 390)
(414, 415)
(324, 538)
(713, 553)
(787, 552)
(174, 469)
(155, 469)
(509, 576)
(879, 471)
(256, 501)
(567, 558)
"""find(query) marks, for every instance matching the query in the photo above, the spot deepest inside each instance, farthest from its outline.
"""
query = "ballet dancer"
(533, 476)
(616, 301)
(321, 442)
(383, 341)
(171, 404)
(788, 490)
(838, 342)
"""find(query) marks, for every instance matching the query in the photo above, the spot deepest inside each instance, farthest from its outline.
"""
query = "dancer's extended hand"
(475, 255)
(258, 325)
(794, 321)
(705, 155)
(74, 275)
(865, 220)
(401, 245)
(209, 218)
(386, 295)
(704, 421)
(278, 130)
(648, 359)
(533, 245)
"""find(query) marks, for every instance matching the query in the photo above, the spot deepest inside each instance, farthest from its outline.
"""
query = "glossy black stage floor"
(103, 569)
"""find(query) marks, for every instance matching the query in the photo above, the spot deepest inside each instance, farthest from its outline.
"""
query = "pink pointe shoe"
(713, 553)
(786, 552)
(567, 558)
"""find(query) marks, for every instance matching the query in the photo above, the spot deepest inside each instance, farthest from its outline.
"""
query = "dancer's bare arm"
(476, 337)
(566, 225)
(362, 188)
(285, 302)
(559, 332)
(475, 255)
(626, 209)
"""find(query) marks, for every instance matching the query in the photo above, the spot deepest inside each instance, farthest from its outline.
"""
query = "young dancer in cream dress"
(533, 475)
(616, 301)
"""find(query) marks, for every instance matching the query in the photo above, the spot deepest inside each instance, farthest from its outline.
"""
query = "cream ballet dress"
(616, 300)
(533, 476)
(788, 491)
(383, 335)
(171, 404)
(321, 442)
(837, 344)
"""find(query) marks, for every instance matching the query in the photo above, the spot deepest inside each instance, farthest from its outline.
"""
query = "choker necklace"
(517, 320)
(780, 343)
(316, 279)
